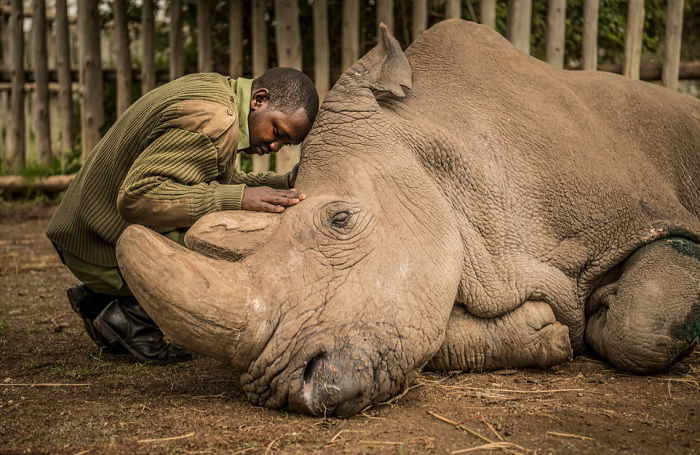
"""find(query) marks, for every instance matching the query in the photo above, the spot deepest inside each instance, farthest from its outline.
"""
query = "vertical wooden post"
(288, 37)
(351, 33)
(121, 42)
(91, 111)
(590, 35)
(672, 44)
(322, 69)
(519, 23)
(235, 38)
(260, 63)
(385, 14)
(556, 32)
(16, 136)
(633, 38)
(205, 61)
(177, 57)
(453, 9)
(420, 17)
(487, 11)
(4, 100)
(148, 64)
(65, 91)
(42, 125)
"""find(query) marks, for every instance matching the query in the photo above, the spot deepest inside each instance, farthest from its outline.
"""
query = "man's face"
(271, 129)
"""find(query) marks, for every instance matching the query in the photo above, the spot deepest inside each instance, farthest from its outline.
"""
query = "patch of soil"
(59, 395)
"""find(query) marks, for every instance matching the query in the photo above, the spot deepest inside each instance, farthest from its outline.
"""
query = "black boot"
(88, 305)
(123, 321)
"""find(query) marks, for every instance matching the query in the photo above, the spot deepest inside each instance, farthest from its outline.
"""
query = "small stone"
(630, 430)
(579, 394)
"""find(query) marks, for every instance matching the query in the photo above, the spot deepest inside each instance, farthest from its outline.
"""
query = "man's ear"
(259, 98)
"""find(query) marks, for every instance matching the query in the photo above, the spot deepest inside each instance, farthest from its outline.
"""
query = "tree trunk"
(672, 44)
(453, 9)
(556, 30)
(351, 33)
(121, 41)
(148, 64)
(633, 38)
(235, 38)
(590, 35)
(487, 11)
(42, 125)
(177, 57)
(321, 51)
(65, 90)
(205, 62)
(385, 14)
(420, 17)
(519, 22)
(288, 37)
(260, 63)
(91, 111)
(16, 137)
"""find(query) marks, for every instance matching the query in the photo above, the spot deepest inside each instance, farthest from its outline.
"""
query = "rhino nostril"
(312, 366)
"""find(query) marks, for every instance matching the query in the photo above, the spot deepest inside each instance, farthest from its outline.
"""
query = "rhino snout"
(333, 384)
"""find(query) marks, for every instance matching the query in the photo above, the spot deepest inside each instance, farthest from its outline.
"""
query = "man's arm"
(172, 183)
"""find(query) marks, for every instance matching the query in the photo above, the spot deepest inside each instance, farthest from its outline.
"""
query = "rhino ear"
(389, 70)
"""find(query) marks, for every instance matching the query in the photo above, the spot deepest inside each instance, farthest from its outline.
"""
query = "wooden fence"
(77, 71)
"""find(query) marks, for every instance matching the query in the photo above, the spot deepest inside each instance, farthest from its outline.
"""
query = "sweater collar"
(242, 87)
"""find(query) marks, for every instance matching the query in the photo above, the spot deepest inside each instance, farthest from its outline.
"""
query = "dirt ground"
(59, 395)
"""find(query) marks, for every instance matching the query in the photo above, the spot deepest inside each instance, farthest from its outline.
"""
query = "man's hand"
(266, 199)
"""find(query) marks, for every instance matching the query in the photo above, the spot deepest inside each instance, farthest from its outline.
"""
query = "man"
(167, 161)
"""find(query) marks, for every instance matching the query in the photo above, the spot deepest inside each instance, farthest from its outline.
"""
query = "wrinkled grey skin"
(469, 208)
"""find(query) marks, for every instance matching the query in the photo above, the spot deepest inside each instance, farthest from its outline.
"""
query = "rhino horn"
(202, 303)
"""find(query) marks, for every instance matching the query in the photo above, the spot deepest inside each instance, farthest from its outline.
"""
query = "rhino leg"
(650, 316)
(528, 336)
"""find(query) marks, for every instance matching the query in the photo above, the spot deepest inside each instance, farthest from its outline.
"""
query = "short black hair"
(290, 90)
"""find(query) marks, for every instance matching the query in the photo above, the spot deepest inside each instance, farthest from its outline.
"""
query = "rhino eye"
(341, 219)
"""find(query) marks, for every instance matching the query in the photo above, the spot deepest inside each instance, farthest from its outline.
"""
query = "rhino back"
(557, 169)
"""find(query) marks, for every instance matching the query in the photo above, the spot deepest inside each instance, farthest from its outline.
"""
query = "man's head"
(283, 106)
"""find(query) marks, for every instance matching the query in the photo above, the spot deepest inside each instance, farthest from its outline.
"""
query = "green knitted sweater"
(167, 161)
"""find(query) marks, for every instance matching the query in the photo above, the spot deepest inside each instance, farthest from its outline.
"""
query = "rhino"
(469, 208)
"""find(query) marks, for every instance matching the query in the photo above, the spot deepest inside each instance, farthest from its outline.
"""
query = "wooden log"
(148, 63)
(288, 38)
(453, 9)
(14, 184)
(672, 44)
(633, 38)
(385, 14)
(322, 76)
(420, 18)
(16, 137)
(487, 11)
(4, 40)
(42, 124)
(519, 23)
(121, 42)
(91, 111)
(65, 79)
(351, 33)
(556, 29)
(260, 64)
(177, 56)
(590, 35)
(205, 61)
(235, 38)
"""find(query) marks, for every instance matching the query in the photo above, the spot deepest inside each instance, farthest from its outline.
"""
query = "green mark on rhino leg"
(684, 246)
(689, 329)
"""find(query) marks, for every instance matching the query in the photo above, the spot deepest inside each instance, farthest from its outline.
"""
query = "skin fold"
(466, 205)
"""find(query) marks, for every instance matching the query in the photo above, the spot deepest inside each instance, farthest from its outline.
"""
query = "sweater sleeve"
(172, 182)
(271, 179)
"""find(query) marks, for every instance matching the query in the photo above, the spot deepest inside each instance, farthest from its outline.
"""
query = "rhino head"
(334, 304)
